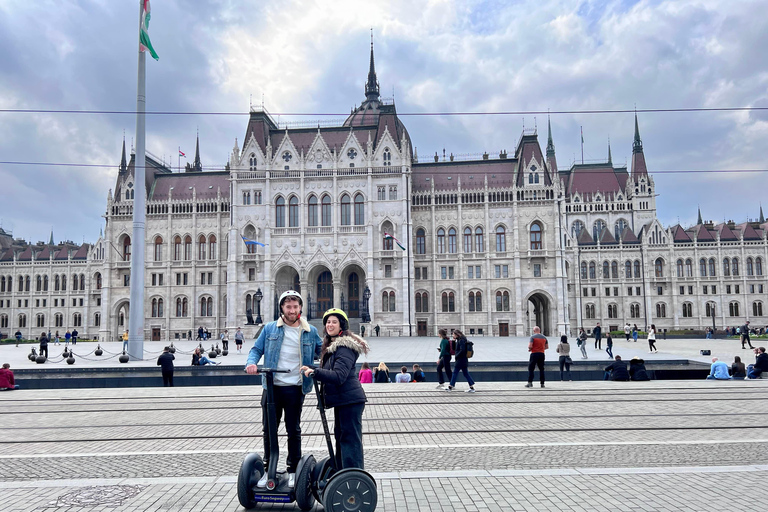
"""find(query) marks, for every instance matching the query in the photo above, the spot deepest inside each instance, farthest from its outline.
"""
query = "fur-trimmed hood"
(351, 341)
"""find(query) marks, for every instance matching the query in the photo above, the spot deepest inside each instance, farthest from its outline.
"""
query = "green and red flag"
(387, 236)
(144, 43)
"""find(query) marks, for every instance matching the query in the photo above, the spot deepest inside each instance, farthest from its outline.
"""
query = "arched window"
(757, 308)
(759, 266)
(40, 320)
(22, 320)
(452, 240)
(392, 301)
(212, 255)
(661, 310)
(386, 243)
(689, 268)
(154, 308)
(293, 212)
(312, 211)
(421, 241)
(63, 282)
(576, 229)
(733, 309)
(39, 283)
(385, 301)
(82, 281)
(710, 309)
(589, 311)
(501, 239)
(634, 310)
(97, 319)
(535, 236)
(479, 241)
(206, 306)
(127, 248)
(187, 247)
(750, 267)
(478, 301)
(77, 320)
(583, 269)
(75, 282)
(441, 241)
(726, 267)
(615, 270)
(592, 272)
(158, 252)
(359, 210)
(422, 302)
(387, 157)
(687, 310)
(280, 212)
(606, 270)
(613, 311)
(201, 247)
(658, 267)
(467, 239)
(637, 269)
(252, 162)
(2, 283)
(502, 301)
(346, 210)
(712, 267)
(628, 269)
(703, 267)
(597, 228)
(177, 248)
(3, 319)
(619, 227)
(471, 301)
(735, 266)
(448, 302)
(326, 213)
(680, 268)
(98, 280)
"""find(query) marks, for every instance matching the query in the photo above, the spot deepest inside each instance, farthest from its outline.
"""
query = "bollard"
(98, 350)
(172, 349)
(212, 354)
(40, 359)
(71, 359)
(32, 355)
(124, 358)
(218, 350)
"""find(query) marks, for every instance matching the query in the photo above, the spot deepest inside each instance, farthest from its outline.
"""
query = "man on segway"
(286, 344)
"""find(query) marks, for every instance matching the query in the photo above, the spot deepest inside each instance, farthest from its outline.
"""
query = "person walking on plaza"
(564, 350)
(44, 344)
(403, 377)
(461, 362)
(239, 340)
(287, 344)
(617, 370)
(18, 337)
(68, 338)
(381, 374)
(7, 380)
(609, 345)
(652, 339)
(536, 346)
(366, 375)
(56, 339)
(377, 329)
(738, 370)
(74, 336)
(582, 342)
(165, 362)
(444, 362)
(125, 339)
(718, 370)
(598, 333)
(745, 336)
(627, 330)
(225, 340)
(634, 332)
(341, 388)
(199, 334)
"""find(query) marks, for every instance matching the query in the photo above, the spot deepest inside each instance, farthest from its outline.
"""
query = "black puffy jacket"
(338, 373)
(637, 370)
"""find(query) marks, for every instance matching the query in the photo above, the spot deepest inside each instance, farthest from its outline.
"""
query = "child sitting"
(403, 376)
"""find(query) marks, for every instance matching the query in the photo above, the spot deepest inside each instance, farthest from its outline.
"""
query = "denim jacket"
(270, 341)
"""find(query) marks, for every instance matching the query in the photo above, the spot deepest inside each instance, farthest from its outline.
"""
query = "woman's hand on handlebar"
(307, 371)
(252, 369)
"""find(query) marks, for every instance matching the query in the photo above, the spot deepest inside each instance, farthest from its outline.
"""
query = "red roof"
(589, 179)
(500, 173)
(679, 235)
(726, 235)
(205, 184)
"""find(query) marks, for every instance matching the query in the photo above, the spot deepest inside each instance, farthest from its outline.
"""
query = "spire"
(762, 217)
(372, 86)
(699, 221)
(50, 242)
(637, 145)
(123, 163)
(197, 166)
(550, 144)
(610, 160)
(639, 169)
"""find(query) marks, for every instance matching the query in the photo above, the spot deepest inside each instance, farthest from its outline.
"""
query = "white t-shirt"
(403, 377)
(290, 358)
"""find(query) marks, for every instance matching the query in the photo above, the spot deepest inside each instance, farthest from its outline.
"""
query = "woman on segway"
(341, 388)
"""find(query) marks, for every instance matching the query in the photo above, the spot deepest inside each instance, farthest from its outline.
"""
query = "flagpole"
(582, 145)
(179, 155)
(136, 311)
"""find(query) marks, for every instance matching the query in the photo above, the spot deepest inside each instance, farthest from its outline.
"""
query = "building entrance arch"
(122, 312)
(353, 284)
(539, 312)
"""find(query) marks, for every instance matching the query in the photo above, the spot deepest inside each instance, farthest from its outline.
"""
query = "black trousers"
(599, 343)
(537, 359)
(745, 339)
(348, 431)
(445, 362)
(288, 400)
(224, 344)
(44, 349)
(168, 379)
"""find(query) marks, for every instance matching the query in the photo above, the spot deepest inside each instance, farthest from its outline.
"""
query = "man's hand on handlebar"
(252, 369)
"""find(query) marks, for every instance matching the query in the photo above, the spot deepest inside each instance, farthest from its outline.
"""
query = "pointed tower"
(639, 169)
(762, 217)
(698, 220)
(551, 160)
(123, 162)
(610, 159)
(372, 86)
(196, 166)
(50, 242)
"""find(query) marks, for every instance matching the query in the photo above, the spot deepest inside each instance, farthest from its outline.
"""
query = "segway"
(252, 468)
(347, 490)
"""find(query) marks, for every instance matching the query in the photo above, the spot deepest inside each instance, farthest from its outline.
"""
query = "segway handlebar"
(271, 370)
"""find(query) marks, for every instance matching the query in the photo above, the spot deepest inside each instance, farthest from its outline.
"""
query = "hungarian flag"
(144, 42)
(181, 153)
(248, 241)
(387, 236)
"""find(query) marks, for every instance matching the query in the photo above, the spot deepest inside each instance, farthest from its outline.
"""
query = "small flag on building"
(181, 153)
(387, 236)
(144, 42)
(248, 241)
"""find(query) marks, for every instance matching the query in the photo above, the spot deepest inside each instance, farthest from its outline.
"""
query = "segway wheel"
(305, 498)
(350, 490)
(321, 473)
(250, 472)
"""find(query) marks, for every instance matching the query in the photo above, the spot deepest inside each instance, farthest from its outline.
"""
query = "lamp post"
(366, 297)
(258, 296)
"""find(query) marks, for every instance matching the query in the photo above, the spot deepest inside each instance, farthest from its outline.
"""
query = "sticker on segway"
(272, 499)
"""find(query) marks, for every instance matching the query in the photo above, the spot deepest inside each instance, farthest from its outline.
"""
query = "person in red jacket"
(6, 378)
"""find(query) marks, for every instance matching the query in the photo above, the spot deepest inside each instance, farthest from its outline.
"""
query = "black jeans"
(599, 343)
(562, 364)
(44, 349)
(652, 345)
(745, 339)
(537, 359)
(224, 344)
(168, 379)
(461, 365)
(348, 431)
(445, 362)
(288, 399)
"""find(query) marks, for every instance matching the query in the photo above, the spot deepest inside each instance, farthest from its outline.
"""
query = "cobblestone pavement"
(661, 445)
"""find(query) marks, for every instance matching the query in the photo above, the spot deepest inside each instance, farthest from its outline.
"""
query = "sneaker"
(263, 480)
(291, 480)
(529, 385)
(542, 384)
(440, 386)
(448, 388)
(470, 390)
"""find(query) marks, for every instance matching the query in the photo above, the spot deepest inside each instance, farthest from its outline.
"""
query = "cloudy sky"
(434, 56)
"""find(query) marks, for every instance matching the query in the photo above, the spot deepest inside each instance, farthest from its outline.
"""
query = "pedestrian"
(617, 370)
(341, 388)
(564, 350)
(637, 369)
(381, 374)
(68, 337)
(365, 376)
(44, 344)
(609, 345)
(199, 333)
(199, 359)
(634, 332)
(362, 331)
(403, 377)
(652, 339)
(598, 333)
(627, 330)
(74, 336)
(165, 362)
(377, 329)
(738, 370)
(18, 337)
(461, 362)
(418, 374)
(755, 371)
(288, 343)
(444, 361)
(745, 336)
(582, 342)
(718, 370)
(708, 332)
(125, 340)
(239, 340)
(225, 340)
(536, 346)
(7, 380)
(57, 339)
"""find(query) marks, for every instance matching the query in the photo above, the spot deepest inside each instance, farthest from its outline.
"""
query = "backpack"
(452, 347)
(470, 349)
